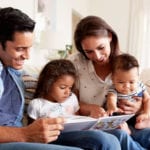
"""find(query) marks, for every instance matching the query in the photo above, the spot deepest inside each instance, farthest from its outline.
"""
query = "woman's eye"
(100, 48)
(88, 52)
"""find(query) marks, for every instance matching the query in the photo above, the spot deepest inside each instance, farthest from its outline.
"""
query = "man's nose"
(26, 54)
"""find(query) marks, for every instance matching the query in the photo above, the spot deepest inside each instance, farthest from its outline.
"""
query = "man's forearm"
(12, 134)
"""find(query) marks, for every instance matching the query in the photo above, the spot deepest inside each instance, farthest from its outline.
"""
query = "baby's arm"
(111, 104)
(145, 114)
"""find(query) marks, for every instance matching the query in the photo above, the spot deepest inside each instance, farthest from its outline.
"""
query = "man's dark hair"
(13, 20)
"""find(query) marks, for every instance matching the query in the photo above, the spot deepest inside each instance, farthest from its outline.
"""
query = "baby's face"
(125, 82)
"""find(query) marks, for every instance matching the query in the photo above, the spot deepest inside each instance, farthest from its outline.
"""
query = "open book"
(87, 123)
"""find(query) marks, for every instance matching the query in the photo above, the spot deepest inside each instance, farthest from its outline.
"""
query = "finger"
(58, 120)
(52, 127)
(137, 98)
(49, 136)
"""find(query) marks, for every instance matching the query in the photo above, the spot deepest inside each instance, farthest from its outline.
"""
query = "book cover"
(87, 123)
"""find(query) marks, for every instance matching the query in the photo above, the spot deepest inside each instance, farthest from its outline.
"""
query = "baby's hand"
(110, 111)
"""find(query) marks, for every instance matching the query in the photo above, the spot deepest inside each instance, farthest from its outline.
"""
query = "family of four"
(89, 73)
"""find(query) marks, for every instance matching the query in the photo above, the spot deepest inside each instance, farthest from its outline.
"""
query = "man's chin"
(18, 67)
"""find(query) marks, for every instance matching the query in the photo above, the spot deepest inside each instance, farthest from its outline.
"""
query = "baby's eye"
(132, 82)
(120, 82)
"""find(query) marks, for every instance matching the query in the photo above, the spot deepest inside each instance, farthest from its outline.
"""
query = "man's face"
(17, 51)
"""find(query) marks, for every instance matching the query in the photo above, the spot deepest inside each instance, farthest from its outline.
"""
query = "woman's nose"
(97, 54)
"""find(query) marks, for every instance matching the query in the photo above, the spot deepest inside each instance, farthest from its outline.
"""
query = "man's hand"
(43, 130)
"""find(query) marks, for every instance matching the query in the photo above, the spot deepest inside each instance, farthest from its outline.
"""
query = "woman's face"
(97, 49)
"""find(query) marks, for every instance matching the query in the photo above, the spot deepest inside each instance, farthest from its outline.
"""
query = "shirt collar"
(17, 72)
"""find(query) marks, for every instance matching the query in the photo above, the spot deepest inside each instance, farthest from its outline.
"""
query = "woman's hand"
(131, 107)
(43, 130)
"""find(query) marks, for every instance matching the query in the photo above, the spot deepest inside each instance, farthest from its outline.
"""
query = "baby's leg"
(125, 127)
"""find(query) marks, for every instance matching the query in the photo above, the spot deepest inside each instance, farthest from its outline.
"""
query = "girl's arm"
(92, 110)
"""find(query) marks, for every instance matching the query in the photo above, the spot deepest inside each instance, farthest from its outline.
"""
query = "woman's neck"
(102, 70)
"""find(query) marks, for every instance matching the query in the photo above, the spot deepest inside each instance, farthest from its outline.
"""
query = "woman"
(98, 44)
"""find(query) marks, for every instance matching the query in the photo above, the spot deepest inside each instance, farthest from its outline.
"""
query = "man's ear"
(1, 48)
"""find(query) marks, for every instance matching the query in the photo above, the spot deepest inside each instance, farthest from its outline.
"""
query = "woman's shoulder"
(77, 57)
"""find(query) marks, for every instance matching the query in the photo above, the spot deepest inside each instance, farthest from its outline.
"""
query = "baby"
(126, 86)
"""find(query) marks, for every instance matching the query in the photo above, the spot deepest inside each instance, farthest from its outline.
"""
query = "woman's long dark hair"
(95, 26)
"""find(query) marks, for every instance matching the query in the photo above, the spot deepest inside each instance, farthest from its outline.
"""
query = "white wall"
(26, 6)
(116, 13)
(62, 34)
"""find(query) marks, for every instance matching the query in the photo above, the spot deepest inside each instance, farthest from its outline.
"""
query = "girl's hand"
(97, 111)
(92, 110)
(131, 107)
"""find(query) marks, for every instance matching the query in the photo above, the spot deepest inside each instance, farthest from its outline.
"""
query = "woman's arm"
(91, 110)
(131, 107)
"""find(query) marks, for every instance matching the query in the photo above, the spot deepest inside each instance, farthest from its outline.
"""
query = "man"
(16, 38)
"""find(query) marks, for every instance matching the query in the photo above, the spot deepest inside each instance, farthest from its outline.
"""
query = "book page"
(76, 122)
(112, 122)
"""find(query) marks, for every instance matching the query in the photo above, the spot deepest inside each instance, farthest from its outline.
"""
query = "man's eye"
(19, 49)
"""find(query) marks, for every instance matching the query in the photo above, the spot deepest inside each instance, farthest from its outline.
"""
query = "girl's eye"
(62, 87)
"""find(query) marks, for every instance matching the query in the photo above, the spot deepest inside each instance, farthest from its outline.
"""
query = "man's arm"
(42, 130)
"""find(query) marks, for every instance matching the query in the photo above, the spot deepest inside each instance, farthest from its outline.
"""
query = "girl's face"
(125, 82)
(61, 89)
(97, 49)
